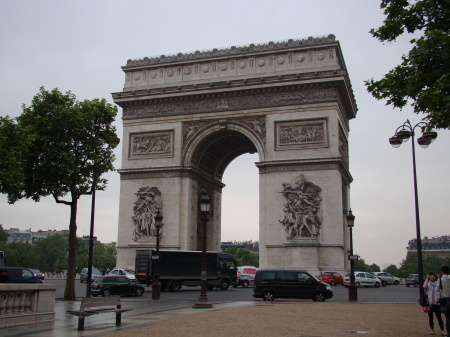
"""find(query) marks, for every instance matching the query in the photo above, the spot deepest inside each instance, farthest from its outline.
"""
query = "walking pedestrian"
(445, 295)
(433, 291)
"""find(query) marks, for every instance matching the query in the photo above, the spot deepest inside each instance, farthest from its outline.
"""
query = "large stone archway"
(187, 116)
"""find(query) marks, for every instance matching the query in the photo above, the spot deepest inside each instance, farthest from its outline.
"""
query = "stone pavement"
(258, 318)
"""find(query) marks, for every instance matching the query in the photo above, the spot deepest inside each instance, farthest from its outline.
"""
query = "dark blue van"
(18, 275)
(274, 283)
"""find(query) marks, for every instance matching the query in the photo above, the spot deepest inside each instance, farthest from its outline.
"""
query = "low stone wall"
(26, 303)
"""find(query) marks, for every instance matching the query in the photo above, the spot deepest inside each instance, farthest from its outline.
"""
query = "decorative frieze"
(151, 144)
(197, 55)
(343, 147)
(299, 96)
(301, 134)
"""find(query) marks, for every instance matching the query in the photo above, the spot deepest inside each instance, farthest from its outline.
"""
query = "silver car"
(388, 278)
(363, 279)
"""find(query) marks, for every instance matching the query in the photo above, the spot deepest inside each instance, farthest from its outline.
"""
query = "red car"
(332, 278)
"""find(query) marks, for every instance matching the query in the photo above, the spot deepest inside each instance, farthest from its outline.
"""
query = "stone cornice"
(307, 165)
(232, 51)
(242, 99)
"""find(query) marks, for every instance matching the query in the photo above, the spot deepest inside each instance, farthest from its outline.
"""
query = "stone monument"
(187, 116)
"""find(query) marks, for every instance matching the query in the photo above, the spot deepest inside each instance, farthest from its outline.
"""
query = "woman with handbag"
(445, 295)
(433, 292)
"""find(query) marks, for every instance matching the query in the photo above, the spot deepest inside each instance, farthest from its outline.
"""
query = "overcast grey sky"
(81, 46)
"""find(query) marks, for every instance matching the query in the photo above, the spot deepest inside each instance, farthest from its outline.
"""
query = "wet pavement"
(144, 311)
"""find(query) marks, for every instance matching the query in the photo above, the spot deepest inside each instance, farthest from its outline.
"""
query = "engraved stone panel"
(301, 134)
(301, 209)
(151, 144)
(145, 208)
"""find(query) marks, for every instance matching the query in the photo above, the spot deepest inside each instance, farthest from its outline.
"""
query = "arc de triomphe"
(187, 116)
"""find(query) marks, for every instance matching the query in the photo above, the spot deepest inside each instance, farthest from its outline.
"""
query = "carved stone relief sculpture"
(151, 144)
(145, 208)
(297, 134)
(301, 209)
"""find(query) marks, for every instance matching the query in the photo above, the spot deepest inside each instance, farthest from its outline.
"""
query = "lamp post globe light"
(402, 135)
(205, 204)
(352, 289)
(156, 286)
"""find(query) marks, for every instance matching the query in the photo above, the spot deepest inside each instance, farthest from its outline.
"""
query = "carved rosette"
(145, 207)
(301, 209)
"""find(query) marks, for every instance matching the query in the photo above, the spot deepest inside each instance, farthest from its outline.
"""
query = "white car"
(124, 272)
(363, 279)
(388, 278)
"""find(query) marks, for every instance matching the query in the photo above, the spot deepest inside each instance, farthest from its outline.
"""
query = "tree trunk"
(69, 292)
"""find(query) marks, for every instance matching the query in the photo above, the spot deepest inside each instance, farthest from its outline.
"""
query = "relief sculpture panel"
(145, 207)
(151, 144)
(297, 134)
(301, 209)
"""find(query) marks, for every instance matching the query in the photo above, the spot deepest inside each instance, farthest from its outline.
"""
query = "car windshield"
(129, 271)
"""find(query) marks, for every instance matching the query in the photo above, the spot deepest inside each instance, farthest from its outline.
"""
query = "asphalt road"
(389, 294)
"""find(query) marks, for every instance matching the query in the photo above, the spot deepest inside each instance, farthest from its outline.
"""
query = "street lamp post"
(202, 303)
(156, 286)
(402, 135)
(352, 289)
(91, 243)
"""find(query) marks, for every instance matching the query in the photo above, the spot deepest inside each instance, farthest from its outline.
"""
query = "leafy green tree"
(52, 253)
(3, 234)
(243, 256)
(392, 269)
(374, 268)
(82, 254)
(69, 145)
(361, 265)
(423, 77)
(105, 255)
(20, 254)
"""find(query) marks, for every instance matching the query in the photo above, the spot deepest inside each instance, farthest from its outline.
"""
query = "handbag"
(423, 300)
(426, 308)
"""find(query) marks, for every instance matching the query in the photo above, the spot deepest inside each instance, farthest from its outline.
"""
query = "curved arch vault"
(187, 117)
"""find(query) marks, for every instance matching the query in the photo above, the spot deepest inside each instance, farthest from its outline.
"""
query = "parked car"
(38, 273)
(245, 276)
(18, 275)
(124, 272)
(412, 280)
(388, 278)
(84, 274)
(115, 285)
(332, 278)
(363, 279)
(273, 283)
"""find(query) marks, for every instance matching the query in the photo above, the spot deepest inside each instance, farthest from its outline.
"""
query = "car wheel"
(396, 282)
(332, 283)
(319, 296)
(210, 287)
(139, 292)
(416, 285)
(357, 284)
(246, 284)
(224, 285)
(94, 295)
(107, 293)
(377, 284)
(384, 283)
(408, 285)
(175, 286)
(268, 295)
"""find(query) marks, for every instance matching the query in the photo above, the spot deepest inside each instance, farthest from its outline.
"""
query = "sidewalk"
(261, 319)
